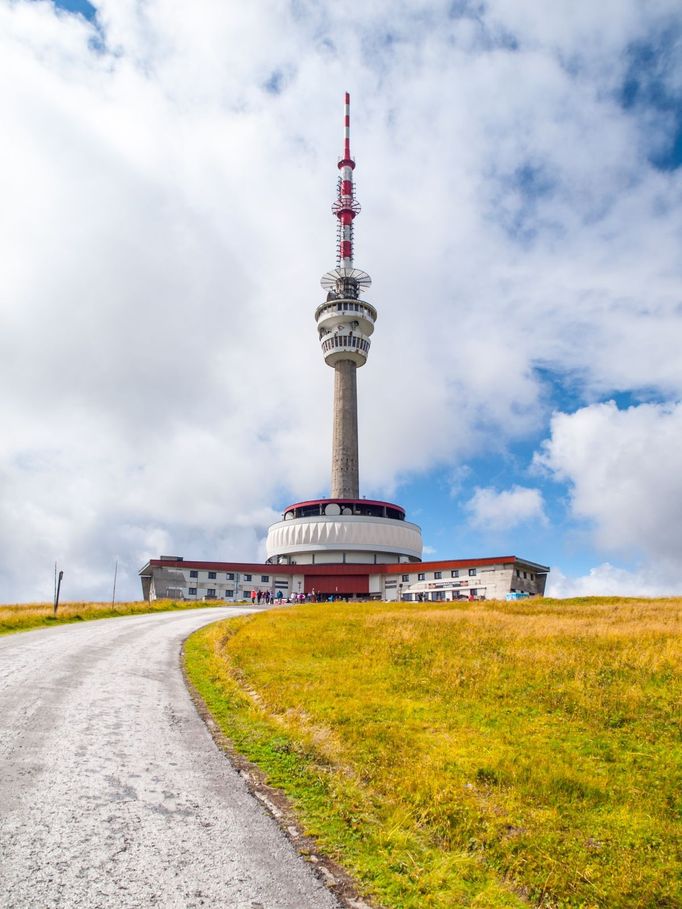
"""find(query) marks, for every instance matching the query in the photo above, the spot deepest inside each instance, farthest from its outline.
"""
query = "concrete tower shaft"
(345, 470)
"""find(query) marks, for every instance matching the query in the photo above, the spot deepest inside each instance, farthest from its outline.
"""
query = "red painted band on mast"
(346, 207)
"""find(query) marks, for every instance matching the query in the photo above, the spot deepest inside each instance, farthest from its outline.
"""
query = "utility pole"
(113, 595)
(58, 579)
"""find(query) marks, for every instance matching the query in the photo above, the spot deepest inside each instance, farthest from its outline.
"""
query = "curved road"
(112, 792)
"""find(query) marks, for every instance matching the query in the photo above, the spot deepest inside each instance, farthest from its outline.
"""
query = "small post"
(56, 594)
(113, 594)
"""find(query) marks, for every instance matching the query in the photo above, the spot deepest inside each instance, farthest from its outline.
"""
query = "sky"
(166, 177)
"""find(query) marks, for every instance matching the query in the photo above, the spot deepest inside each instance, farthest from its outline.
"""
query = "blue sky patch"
(81, 7)
(648, 86)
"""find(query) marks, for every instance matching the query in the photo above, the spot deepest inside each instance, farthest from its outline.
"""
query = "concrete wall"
(492, 582)
(177, 584)
(299, 537)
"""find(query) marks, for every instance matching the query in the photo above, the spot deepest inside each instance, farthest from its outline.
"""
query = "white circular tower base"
(335, 531)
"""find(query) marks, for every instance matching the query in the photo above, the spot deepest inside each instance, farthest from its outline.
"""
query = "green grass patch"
(487, 755)
(39, 615)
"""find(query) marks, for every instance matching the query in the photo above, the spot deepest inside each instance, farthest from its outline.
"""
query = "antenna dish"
(343, 279)
(346, 203)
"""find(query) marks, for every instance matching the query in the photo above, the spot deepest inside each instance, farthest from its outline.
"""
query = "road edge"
(276, 803)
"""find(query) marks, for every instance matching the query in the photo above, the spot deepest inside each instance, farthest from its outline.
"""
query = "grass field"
(24, 617)
(483, 755)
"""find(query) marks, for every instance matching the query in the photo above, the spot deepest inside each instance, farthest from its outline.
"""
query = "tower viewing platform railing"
(333, 311)
(333, 507)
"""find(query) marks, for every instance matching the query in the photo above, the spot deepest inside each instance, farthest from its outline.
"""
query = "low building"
(456, 579)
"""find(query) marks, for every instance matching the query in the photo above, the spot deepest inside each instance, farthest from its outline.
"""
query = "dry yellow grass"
(492, 754)
(23, 617)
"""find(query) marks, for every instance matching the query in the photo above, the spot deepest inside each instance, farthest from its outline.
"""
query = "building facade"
(443, 581)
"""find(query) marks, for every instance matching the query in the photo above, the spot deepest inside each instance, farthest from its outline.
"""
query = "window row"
(229, 576)
(345, 341)
(442, 595)
(347, 306)
(438, 575)
(210, 592)
(355, 307)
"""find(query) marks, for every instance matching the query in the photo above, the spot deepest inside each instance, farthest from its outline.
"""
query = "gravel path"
(112, 792)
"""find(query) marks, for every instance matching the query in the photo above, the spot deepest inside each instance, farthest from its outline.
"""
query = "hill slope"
(493, 754)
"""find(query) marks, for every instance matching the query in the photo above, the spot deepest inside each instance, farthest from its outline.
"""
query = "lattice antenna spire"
(346, 279)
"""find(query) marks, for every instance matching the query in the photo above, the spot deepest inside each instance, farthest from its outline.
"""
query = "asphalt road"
(112, 792)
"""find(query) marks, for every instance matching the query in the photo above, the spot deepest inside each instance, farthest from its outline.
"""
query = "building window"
(194, 574)
(247, 577)
(192, 591)
(406, 577)
(454, 573)
(229, 593)
(210, 592)
(265, 578)
(421, 576)
(229, 576)
(437, 575)
(473, 592)
(211, 575)
(472, 572)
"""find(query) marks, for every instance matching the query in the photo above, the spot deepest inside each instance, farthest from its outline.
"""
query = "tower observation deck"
(344, 528)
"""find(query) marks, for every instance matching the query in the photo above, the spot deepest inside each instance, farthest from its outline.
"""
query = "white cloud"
(492, 510)
(165, 219)
(608, 580)
(623, 469)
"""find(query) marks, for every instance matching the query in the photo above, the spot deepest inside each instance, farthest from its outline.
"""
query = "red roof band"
(360, 568)
(377, 502)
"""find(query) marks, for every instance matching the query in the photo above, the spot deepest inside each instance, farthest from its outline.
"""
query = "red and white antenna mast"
(346, 207)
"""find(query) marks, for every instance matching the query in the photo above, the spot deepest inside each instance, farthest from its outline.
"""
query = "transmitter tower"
(344, 530)
(345, 322)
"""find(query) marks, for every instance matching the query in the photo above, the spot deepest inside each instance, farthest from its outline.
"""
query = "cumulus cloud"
(623, 470)
(492, 510)
(608, 580)
(166, 174)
